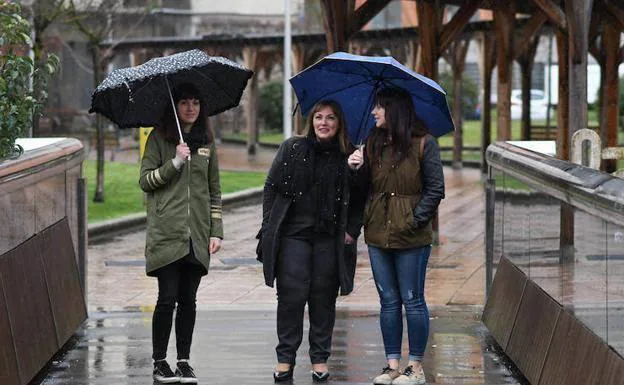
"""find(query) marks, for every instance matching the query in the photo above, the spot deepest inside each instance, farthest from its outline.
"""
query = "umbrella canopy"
(133, 97)
(352, 81)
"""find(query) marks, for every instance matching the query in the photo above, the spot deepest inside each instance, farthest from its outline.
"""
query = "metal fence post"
(81, 197)
(490, 194)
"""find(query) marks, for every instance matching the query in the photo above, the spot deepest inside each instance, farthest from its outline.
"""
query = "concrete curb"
(136, 222)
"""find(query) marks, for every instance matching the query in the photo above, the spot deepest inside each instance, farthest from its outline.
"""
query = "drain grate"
(240, 261)
(601, 257)
(533, 254)
(132, 262)
(449, 266)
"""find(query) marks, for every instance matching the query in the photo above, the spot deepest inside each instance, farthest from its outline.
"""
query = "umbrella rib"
(216, 82)
(339, 90)
(362, 119)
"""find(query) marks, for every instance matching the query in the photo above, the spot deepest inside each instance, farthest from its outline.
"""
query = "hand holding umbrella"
(182, 150)
(356, 159)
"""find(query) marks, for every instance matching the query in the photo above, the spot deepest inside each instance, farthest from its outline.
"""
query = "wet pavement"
(235, 331)
(237, 347)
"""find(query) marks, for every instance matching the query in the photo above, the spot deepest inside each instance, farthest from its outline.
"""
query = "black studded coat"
(293, 159)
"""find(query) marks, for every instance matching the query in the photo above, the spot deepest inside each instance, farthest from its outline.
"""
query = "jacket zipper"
(188, 200)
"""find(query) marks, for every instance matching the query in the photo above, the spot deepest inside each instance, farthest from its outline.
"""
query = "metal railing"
(562, 224)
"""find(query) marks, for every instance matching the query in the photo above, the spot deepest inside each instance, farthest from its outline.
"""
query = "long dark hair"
(341, 133)
(401, 126)
(168, 127)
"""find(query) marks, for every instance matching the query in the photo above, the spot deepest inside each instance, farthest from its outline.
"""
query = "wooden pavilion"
(444, 29)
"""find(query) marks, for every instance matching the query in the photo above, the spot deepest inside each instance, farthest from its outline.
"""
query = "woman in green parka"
(184, 223)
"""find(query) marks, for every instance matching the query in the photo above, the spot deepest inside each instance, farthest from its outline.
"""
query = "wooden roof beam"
(529, 30)
(554, 12)
(335, 15)
(453, 28)
(616, 12)
(364, 14)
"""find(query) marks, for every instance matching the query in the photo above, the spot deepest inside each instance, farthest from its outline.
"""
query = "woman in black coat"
(308, 237)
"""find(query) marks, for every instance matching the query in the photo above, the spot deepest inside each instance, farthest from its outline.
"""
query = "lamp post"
(287, 72)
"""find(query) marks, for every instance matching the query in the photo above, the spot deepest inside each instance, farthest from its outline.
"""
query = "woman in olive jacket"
(406, 185)
(184, 224)
(308, 236)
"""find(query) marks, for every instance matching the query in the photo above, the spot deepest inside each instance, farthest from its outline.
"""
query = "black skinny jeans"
(307, 272)
(177, 283)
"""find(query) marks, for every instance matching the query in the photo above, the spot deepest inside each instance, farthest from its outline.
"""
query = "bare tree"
(42, 14)
(96, 20)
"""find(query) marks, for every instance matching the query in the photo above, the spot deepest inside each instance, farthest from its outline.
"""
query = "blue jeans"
(400, 279)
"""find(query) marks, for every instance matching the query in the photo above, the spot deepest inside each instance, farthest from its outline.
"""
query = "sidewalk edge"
(135, 222)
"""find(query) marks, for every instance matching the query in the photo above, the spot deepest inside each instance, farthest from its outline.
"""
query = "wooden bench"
(542, 132)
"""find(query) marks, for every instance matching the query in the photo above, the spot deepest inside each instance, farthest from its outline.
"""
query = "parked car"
(539, 104)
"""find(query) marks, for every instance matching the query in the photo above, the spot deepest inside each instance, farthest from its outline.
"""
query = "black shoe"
(320, 376)
(186, 374)
(284, 376)
(163, 373)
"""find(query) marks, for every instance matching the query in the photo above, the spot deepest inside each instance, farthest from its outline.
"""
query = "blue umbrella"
(352, 81)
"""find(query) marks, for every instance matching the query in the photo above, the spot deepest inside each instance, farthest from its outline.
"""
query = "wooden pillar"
(526, 61)
(578, 13)
(250, 57)
(486, 66)
(563, 142)
(428, 27)
(456, 56)
(566, 214)
(298, 63)
(525, 47)
(504, 23)
(610, 108)
(412, 54)
(336, 24)
(428, 55)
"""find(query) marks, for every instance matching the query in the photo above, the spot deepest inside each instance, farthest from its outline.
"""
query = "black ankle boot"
(284, 376)
(320, 376)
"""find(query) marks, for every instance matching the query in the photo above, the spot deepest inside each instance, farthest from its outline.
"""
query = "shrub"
(18, 102)
(270, 105)
(470, 94)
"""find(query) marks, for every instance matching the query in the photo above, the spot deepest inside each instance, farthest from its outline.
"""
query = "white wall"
(593, 81)
(250, 7)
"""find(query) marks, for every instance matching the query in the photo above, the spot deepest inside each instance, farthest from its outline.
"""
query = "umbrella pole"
(175, 112)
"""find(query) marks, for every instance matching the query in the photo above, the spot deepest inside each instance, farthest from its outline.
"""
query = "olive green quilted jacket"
(181, 204)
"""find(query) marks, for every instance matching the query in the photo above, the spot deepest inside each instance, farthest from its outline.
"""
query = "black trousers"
(307, 272)
(177, 284)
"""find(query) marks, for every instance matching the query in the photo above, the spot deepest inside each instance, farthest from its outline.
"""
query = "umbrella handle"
(175, 112)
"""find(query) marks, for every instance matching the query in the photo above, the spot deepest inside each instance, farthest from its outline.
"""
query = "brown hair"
(402, 125)
(341, 134)
(168, 127)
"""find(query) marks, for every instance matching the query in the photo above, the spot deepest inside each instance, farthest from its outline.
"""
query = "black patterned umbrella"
(133, 97)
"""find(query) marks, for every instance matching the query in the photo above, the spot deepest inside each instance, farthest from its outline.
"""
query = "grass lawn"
(472, 135)
(265, 137)
(122, 195)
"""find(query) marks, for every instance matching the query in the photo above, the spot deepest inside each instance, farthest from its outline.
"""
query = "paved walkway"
(235, 332)
(116, 279)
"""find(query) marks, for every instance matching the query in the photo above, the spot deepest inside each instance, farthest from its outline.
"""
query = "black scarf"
(328, 179)
(195, 138)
